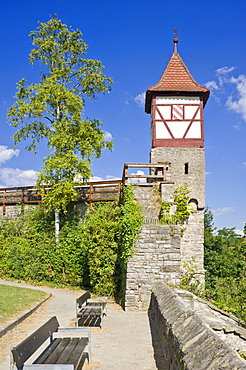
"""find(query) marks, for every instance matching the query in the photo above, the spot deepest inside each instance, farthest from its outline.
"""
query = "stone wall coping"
(185, 294)
(196, 344)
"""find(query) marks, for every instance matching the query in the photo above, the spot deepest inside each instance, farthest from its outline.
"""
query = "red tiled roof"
(177, 78)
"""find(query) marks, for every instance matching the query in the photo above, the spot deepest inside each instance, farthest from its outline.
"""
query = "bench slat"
(73, 352)
(48, 367)
(47, 352)
(54, 355)
(96, 304)
(26, 348)
(64, 357)
(90, 311)
(78, 351)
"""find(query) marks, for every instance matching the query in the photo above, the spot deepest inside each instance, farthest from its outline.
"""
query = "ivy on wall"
(182, 209)
(131, 220)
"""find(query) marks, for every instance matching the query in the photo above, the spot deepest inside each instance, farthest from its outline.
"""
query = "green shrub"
(225, 265)
(91, 253)
(100, 240)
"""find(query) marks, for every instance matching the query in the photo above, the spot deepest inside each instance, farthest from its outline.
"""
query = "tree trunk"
(57, 225)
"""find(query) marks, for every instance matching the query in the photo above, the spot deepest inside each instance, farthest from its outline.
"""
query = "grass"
(14, 301)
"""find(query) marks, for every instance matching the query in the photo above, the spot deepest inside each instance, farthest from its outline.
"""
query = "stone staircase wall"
(157, 258)
(162, 252)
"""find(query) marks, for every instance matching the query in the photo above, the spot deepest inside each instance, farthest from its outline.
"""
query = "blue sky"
(133, 39)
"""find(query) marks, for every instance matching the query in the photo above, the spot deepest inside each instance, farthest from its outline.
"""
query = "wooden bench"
(90, 308)
(62, 353)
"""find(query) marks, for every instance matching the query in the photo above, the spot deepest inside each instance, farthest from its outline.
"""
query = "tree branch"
(48, 119)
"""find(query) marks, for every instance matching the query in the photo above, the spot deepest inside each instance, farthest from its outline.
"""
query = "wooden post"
(119, 188)
(164, 173)
(126, 175)
(22, 200)
(4, 203)
(90, 196)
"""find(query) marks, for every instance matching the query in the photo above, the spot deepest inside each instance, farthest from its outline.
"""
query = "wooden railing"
(159, 170)
(91, 192)
(98, 191)
(18, 195)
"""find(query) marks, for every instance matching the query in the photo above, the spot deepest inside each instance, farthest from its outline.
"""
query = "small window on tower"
(186, 168)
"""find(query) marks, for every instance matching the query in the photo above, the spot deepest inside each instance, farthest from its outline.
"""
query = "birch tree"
(53, 110)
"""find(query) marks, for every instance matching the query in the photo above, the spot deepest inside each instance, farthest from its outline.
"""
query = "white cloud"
(224, 70)
(237, 126)
(137, 180)
(239, 232)
(238, 106)
(6, 153)
(112, 178)
(140, 99)
(212, 85)
(223, 211)
(107, 136)
(232, 87)
(17, 177)
(107, 178)
(96, 178)
(244, 163)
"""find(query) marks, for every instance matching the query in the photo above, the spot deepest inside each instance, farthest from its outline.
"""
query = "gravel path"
(124, 342)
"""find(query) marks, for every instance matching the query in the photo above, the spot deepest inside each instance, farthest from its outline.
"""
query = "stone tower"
(176, 104)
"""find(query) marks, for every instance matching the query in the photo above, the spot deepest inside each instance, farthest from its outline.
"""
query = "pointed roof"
(177, 79)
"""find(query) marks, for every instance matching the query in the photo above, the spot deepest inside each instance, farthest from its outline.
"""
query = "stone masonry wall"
(13, 211)
(161, 252)
(182, 340)
(156, 258)
(195, 179)
(148, 196)
(192, 244)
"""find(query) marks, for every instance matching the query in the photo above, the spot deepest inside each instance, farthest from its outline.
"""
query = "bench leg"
(89, 346)
(76, 310)
(12, 363)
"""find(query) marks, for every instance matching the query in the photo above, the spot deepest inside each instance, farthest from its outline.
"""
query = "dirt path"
(124, 342)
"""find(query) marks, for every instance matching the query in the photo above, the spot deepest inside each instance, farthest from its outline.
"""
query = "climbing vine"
(180, 203)
(131, 220)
